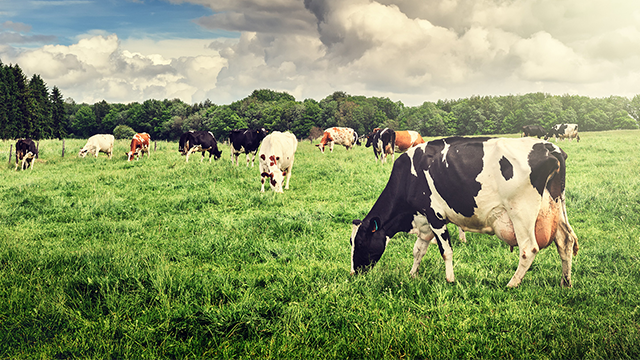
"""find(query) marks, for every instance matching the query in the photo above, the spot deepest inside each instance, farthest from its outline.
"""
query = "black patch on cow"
(454, 176)
(506, 168)
(542, 163)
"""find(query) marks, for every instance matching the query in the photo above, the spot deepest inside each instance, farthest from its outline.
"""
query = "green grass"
(165, 259)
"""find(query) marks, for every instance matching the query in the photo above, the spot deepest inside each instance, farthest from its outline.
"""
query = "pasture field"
(159, 258)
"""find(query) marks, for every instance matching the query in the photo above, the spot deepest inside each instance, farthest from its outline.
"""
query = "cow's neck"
(393, 209)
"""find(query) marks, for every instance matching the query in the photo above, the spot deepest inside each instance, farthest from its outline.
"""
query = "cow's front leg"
(419, 249)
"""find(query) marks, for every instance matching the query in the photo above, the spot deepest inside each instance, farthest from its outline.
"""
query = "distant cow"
(97, 144)
(276, 159)
(26, 151)
(339, 135)
(201, 141)
(383, 143)
(534, 130)
(139, 146)
(245, 141)
(563, 131)
(407, 139)
(513, 188)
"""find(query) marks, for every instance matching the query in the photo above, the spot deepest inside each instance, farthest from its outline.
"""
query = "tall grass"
(159, 258)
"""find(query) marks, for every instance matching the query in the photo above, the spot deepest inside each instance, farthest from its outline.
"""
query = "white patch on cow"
(411, 152)
(354, 231)
(445, 150)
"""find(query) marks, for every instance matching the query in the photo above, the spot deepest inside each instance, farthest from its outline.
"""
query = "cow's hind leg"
(567, 244)
(527, 245)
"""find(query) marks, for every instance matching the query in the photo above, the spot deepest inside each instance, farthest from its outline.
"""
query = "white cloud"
(97, 68)
(408, 50)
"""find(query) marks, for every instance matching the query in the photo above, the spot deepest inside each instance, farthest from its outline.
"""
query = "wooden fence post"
(155, 145)
(10, 151)
(62, 147)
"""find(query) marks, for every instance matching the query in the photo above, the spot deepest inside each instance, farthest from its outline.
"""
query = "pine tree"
(39, 108)
(4, 101)
(58, 116)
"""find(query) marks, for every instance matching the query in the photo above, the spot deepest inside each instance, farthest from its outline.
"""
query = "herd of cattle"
(513, 188)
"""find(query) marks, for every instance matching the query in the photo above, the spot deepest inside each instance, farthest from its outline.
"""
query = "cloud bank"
(408, 50)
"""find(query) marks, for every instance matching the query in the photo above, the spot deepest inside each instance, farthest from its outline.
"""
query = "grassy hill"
(159, 258)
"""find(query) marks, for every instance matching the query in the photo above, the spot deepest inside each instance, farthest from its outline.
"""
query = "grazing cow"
(245, 141)
(339, 135)
(26, 151)
(533, 130)
(513, 188)
(563, 131)
(201, 141)
(97, 144)
(406, 139)
(139, 145)
(276, 159)
(383, 142)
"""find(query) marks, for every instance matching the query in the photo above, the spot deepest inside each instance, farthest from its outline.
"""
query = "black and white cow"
(563, 131)
(201, 141)
(513, 188)
(245, 141)
(27, 151)
(534, 130)
(383, 143)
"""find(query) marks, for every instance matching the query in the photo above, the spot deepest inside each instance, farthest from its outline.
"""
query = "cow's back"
(280, 145)
(103, 142)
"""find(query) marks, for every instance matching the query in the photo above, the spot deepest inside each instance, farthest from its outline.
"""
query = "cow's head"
(368, 241)
(321, 147)
(83, 152)
(274, 175)
(131, 154)
(216, 153)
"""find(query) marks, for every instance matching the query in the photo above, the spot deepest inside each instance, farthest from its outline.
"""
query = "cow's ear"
(318, 145)
(374, 224)
(357, 222)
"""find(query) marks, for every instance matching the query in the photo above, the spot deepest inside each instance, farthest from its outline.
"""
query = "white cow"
(98, 143)
(276, 159)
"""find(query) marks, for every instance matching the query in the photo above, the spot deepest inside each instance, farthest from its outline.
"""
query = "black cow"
(202, 141)
(383, 143)
(533, 130)
(26, 151)
(245, 141)
(513, 188)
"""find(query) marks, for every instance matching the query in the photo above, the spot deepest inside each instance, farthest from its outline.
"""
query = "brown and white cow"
(406, 139)
(27, 151)
(139, 146)
(277, 153)
(513, 188)
(339, 135)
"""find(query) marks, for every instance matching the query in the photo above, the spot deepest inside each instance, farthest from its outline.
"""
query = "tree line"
(28, 109)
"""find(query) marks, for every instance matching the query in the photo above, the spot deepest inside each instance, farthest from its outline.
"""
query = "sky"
(411, 51)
